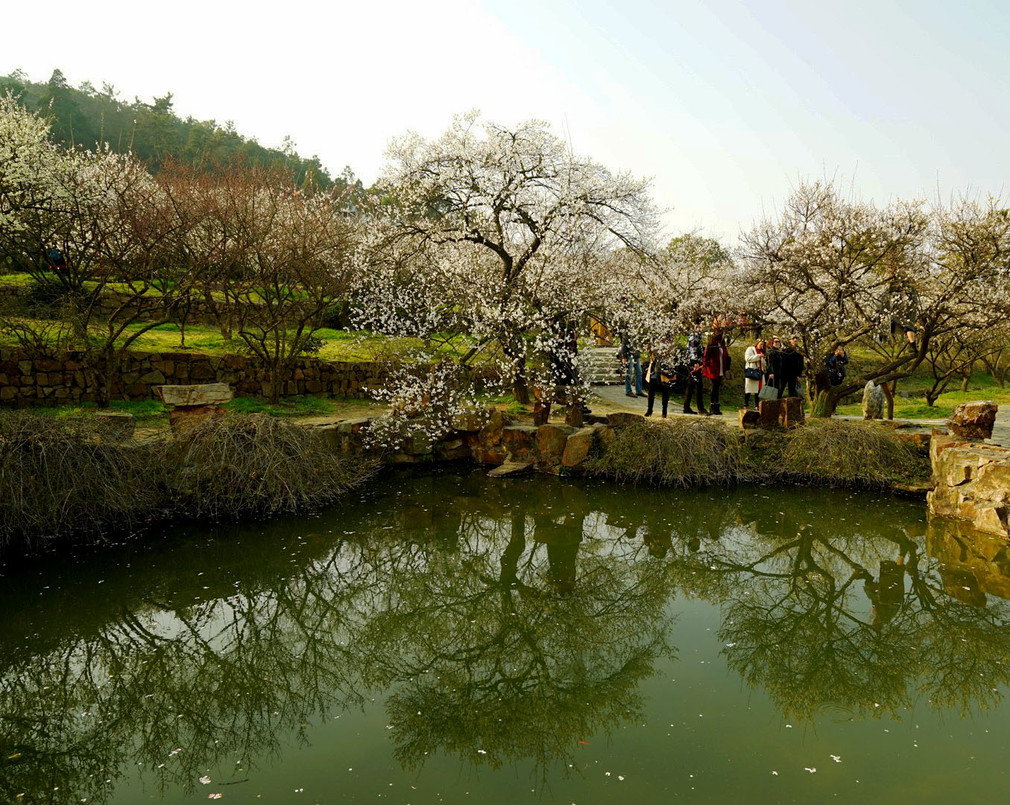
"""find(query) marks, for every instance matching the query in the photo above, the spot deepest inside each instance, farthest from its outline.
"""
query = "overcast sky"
(726, 104)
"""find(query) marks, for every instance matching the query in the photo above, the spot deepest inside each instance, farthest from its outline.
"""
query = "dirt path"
(607, 399)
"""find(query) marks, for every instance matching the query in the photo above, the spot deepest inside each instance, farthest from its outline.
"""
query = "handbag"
(752, 373)
(768, 392)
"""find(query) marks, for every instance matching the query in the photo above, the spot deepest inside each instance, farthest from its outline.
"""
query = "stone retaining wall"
(28, 381)
(497, 441)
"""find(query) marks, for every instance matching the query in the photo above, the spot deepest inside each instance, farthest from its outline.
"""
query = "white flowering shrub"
(836, 271)
(424, 399)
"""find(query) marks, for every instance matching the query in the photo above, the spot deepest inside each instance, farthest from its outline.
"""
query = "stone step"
(601, 366)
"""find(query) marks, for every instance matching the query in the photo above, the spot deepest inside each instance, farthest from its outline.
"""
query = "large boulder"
(490, 433)
(973, 420)
(786, 413)
(791, 414)
(551, 441)
(749, 418)
(451, 449)
(511, 468)
(519, 441)
(577, 447)
(769, 412)
(874, 401)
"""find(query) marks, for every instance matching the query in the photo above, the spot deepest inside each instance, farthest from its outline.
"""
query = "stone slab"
(202, 394)
(511, 468)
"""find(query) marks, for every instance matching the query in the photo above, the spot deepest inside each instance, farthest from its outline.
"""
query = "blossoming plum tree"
(502, 234)
(265, 258)
(836, 272)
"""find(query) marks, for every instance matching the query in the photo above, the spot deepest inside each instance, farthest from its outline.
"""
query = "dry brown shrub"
(58, 479)
(846, 453)
(677, 452)
(256, 465)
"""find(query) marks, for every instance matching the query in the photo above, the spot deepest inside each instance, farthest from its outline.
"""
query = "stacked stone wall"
(26, 380)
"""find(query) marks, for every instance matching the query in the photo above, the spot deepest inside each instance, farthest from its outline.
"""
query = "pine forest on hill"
(86, 116)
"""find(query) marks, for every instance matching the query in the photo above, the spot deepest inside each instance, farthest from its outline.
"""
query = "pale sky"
(726, 104)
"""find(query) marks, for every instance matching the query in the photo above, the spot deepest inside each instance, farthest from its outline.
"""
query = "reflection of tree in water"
(513, 619)
(181, 665)
(530, 637)
(828, 612)
(221, 648)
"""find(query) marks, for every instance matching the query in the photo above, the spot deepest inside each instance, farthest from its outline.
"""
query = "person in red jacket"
(715, 365)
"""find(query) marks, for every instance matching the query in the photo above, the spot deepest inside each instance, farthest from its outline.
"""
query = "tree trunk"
(573, 414)
(109, 361)
(275, 383)
(520, 387)
(889, 389)
(823, 396)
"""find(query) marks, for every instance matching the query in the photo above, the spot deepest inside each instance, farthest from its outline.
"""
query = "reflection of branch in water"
(522, 667)
(517, 622)
(798, 628)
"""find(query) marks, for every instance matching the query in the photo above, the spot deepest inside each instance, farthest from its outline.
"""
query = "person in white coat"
(753, 371)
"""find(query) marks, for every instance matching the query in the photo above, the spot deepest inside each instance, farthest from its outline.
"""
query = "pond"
(446, 637)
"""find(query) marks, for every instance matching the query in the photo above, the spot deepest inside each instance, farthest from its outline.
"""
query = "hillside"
(87, 116)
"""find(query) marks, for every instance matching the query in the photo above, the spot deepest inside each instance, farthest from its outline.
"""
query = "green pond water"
(450, 638)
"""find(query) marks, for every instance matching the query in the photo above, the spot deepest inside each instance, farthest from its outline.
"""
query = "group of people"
(774, 364)
(662, 376)
(767, 363)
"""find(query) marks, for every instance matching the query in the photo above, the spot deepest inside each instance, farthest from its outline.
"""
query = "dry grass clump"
(692, 452)
(57, 479)
(256, 465)
(843, 453)
(677, 452)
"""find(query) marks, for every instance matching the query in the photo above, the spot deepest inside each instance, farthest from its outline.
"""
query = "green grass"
(16, 280)
(337, 345)
(146, 412)
(292, 407)
(980, 387)
(149, 413)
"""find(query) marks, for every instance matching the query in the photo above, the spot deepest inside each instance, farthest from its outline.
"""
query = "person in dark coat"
(632, 364)
(835, 364)
(695, 356)
(792, 364)
(660, 379)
